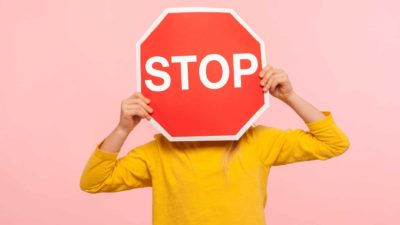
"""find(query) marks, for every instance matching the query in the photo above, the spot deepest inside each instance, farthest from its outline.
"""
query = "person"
(189, 180)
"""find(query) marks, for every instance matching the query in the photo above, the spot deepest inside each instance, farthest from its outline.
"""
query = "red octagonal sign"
(199, 67)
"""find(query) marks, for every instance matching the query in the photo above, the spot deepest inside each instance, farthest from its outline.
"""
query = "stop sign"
(199, 67)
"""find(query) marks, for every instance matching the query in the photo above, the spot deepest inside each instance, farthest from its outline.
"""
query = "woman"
(213, 182)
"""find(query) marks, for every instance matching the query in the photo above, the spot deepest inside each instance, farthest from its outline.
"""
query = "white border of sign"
(263, 62)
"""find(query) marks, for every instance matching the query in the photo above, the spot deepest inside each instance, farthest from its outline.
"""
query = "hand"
(276, 81)
(133, 109)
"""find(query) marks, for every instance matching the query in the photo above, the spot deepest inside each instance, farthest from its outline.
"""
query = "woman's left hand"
(276, 81)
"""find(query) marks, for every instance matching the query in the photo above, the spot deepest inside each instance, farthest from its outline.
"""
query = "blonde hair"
(231, 151)
(233, 148)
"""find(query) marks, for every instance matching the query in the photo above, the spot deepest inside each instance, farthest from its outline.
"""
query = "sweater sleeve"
(322, 141)
(103, 172)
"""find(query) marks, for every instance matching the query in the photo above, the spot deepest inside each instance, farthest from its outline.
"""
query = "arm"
(323, 140)
(114, 141)
(133, 109)
(305, 110)
(103, 172)
(277, 83)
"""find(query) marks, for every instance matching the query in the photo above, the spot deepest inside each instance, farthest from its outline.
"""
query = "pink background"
(65, 66)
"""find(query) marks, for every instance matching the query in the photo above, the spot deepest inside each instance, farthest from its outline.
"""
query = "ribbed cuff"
(103, 154)
(324, 122)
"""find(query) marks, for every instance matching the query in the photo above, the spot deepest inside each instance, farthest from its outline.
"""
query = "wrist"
(290, 98)
(122, 131)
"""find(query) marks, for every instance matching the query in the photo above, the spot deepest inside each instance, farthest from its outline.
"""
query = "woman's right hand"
(133, 109)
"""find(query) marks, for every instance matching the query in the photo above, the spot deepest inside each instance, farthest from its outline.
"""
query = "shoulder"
(147, 148)
(162, 143)
(263, 136)
(262, 131)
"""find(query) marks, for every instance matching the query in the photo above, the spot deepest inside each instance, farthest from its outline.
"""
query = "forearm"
(114, 141)
(303, 108)
(101, 164)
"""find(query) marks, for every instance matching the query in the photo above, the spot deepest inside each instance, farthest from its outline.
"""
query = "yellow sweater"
(187, 178)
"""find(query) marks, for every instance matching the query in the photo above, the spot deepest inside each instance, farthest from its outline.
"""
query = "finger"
(277, 71)
(268, 75)
(268, 84)
(138, 111)
(141, 103)
(142, 97)
(134, 95)
(144, 113)
(276, 82)
(135, 108)
(274, 72)
(263, 71)
(139, 95)
(268, 67)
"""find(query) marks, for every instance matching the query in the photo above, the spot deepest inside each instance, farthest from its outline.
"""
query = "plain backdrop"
(66, 65)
